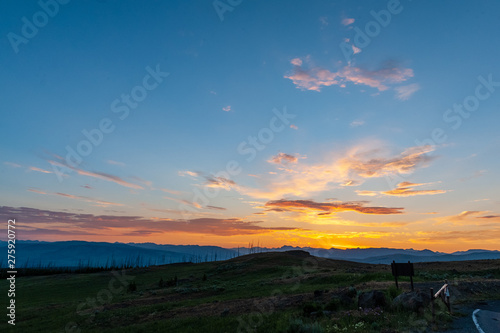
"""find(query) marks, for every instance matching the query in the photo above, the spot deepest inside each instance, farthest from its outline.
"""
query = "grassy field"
(266, 292)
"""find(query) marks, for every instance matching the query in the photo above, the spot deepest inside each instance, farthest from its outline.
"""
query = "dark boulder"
(372, 299)
(412, 301)
(345, 298)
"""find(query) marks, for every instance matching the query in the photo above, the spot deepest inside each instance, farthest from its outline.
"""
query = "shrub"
(352, 292)
(132, 287)
(333, 305)
(170, 283)
(393, 292)
(311, 307)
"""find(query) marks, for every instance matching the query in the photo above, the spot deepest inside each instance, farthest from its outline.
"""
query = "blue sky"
(352, 166)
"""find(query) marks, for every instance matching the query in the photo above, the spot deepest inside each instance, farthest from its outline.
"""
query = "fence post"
(411, 274)
(447, 296)
(395, 273)
(432, 305)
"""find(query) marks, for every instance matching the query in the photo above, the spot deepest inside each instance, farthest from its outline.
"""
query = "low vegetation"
(263, 292)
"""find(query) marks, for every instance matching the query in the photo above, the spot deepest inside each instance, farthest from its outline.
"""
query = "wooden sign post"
(402, 269)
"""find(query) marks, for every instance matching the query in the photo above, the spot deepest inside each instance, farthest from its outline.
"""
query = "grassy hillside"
(266, 292)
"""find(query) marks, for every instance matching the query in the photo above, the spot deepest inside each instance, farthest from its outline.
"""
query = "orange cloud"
(406, 189)
(327, 207)
(351, 183)
(367, 193)
(301, 180)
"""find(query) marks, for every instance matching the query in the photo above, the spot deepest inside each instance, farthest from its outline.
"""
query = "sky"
(305, 123)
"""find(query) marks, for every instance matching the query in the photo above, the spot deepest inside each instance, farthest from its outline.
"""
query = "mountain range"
(93, 254)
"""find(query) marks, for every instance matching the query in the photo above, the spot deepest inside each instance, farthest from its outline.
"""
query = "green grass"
(49, 303)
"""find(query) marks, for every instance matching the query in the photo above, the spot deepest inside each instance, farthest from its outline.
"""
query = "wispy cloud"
(75, 224)
(357, 123)
(347, 21)
(215, 207)
(464, 238)
(166, 190)
(115, 163)
(227, 108)
(366, 193)
(403, 189)
(99, 203)
(11, 164)
(220, 182)
(34, 190)
(283, 158)
(147, 183)
(407, 189)
(32, 168)
(184, 202)
(316, 77)
(292, 126)
(296, 62)
(405, 92)
(188, 173)
(351, 182)
(99, 175)
(471, 218)
(324, 21)
(327, 207)
(477, 174)
(367, 164)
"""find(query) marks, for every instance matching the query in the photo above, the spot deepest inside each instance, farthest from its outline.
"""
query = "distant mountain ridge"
(93, 254)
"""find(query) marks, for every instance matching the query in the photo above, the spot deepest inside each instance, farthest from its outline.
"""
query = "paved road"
(486, 321)
(488, 318)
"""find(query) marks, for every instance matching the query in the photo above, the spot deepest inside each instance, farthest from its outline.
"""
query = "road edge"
(475, 321)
